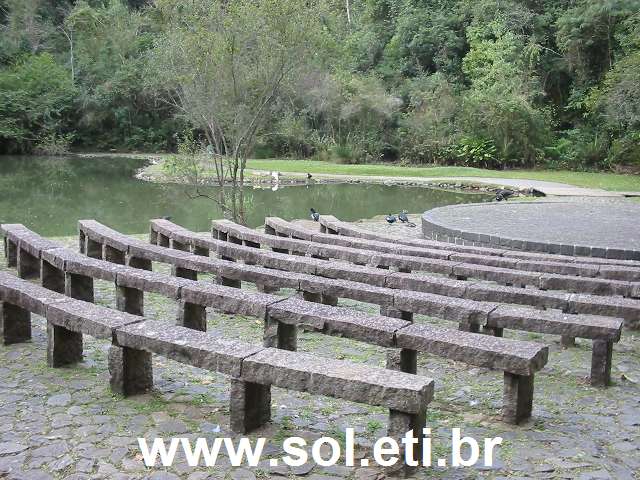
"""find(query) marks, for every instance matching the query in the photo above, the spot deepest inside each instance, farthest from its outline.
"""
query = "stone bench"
(253, 369)
(617, 307)
(283, 317)
(461, 271)
(627, 269)
(471, 315)
(543, 264)
(223, 229)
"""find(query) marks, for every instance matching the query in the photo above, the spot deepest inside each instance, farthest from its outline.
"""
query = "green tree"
(35, 94)
(222, 65)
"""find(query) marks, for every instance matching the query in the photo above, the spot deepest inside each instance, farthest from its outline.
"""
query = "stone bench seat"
(598, 286)
(28, 296)
(253, 369)
(284, 316)
(547, 265)
(628, 309)
(470, 314)
(619, 269)
(291, 370)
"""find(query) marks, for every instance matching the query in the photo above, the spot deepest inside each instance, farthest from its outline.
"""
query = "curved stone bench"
(179, 237)
(603, 331)
(253, 369)
(223, 229)
(499, 260)
(518, 360)
(470, 314)
(610, 268)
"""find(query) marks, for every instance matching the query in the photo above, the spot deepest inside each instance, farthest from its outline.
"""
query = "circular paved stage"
(598, 228)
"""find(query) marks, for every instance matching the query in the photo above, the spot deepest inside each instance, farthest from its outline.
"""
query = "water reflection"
(51, 194)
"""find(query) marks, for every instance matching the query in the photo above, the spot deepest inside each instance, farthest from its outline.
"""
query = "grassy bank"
(604, 180)
(607, 181)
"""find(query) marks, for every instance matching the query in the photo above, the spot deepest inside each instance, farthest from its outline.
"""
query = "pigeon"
(315, 216)
(309, 176)
(503, 194)
(391, 218)
(402, 216)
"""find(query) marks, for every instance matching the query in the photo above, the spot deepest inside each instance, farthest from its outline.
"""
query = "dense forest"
(489, 83)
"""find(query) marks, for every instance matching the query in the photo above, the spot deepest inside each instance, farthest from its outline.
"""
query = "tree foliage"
(498, 83)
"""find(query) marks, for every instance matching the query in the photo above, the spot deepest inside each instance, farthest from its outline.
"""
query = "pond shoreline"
(263, 179)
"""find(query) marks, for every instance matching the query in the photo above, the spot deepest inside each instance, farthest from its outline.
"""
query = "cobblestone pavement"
(65, 423)
(597, 223)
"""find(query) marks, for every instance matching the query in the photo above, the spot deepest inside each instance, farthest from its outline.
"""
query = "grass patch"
(607, 181)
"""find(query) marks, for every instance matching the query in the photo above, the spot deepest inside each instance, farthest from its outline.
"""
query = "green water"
(50, 195)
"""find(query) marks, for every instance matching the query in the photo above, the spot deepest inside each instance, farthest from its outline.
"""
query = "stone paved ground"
(603, 223)
(65, 423)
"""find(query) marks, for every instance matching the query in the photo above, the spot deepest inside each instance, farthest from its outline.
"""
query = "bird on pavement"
(504, 194)
(315, 216)
(309, 176)
(402, 216)
(391, 219)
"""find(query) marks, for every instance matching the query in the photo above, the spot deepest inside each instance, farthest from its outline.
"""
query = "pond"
(50, 195)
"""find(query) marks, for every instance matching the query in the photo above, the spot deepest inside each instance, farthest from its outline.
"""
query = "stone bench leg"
(130, 300)
(79, 287)
(137, 262)
(163, 240)
(10, 253)
(64, 347)
(469, 327)
(323, 228)
(399, 424)
(402, 360)
(518, 398)
(250, 405)
(192, 316)
(331, 300)
(153, 236)
(82, 241)
(184, 273)
(218, 235)
(15, 324)
(493, 331)
(323, 298)
(263, 288)
(201, 251)
(280, 335)
(388, 311)
(228, 282)
(178, 245)
(130, 370)
(601, 363)
(28, 266)
(249, 243)
(92, 248)
(567, 341)
(113, 255)
(51, 277)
